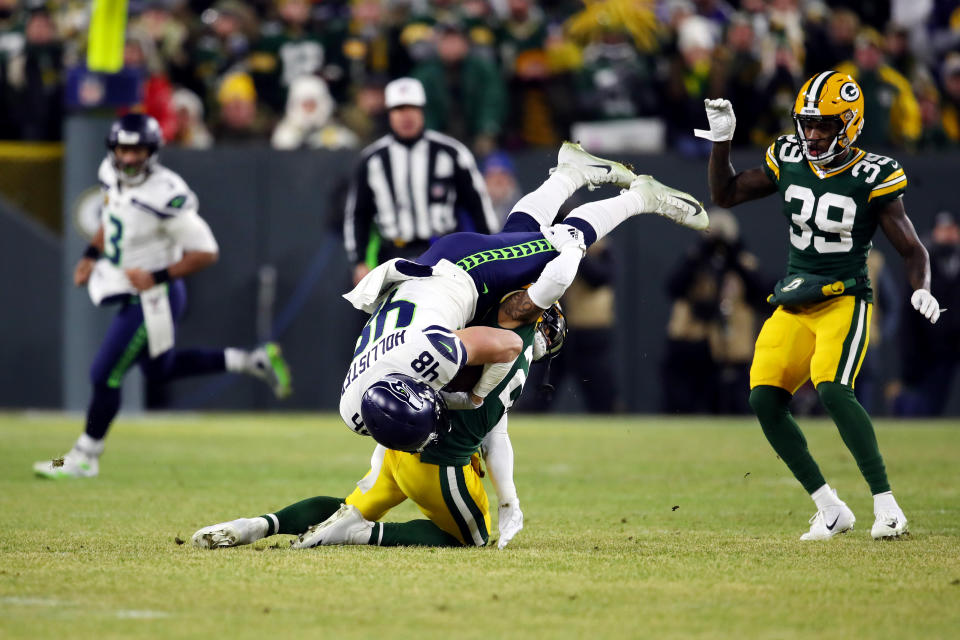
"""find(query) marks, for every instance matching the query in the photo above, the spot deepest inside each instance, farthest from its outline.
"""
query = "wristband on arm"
(161, 276)
(91, 252)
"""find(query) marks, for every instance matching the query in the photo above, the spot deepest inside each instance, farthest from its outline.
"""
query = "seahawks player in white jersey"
(420, 310)
(150, 237)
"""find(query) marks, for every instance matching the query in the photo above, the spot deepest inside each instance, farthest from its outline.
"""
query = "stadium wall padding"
(284, 209)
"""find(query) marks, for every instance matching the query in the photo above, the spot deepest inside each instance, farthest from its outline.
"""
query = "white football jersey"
(148, 225)
(411, 332)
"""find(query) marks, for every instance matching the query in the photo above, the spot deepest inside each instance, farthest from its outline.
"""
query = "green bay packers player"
(833, 196)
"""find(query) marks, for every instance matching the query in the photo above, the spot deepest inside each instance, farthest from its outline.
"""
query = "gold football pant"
(452, 498)
(825, 343)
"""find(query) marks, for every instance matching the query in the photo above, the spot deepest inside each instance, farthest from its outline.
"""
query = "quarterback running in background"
(150, 237)
(834, 196)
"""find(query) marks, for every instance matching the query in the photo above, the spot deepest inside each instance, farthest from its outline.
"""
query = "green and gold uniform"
(444, 480)
(832, 215)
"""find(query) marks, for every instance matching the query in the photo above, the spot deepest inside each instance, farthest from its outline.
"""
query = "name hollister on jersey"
(833, 211)
(366, 361)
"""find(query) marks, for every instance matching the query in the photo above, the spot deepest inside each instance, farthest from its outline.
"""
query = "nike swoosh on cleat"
(831, 526)
(892, 525)
(695, 205)
(601, 166)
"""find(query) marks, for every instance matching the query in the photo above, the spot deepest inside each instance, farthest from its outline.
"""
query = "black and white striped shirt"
(413, 192)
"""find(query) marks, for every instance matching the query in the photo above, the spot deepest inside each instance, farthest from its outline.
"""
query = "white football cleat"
(889, 524)
(830, 521)
(74, 464)
(679, 206)
(346, 526)
(587, 169)
(268, 364)
(231, 534)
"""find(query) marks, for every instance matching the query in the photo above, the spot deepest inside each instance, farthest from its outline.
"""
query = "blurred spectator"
(950, 108)
(33, 79)
(190, 131)
(309, 122)
(737, 74)
(466, 97)
(690, 82)
(411, 186)
(888, 97)
(586, 363)
(289, 49)
(614, 81)
(930, 353)
(221, 48)
(499, 174)
(239, 121)
(713, 325)
(366, 113)
(830, 40)
(139, 54)
(168, 36)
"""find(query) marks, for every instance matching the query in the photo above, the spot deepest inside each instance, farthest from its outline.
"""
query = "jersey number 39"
(836, 236)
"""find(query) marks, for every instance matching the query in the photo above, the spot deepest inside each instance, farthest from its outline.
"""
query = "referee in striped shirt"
(411, 185)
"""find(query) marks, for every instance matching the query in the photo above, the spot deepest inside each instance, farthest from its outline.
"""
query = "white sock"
(88, 446)
(544, 203)
(260, 527)
(605, 215)
(825, 497)
(885, 502)
(236, 360)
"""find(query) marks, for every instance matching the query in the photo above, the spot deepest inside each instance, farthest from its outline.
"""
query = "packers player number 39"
(834, 196)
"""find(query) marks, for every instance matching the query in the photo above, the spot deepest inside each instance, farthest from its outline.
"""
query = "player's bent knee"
(768, 401)
(834, 395)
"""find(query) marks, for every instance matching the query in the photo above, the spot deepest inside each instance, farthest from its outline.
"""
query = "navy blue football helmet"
(134, 130)
(403, 413)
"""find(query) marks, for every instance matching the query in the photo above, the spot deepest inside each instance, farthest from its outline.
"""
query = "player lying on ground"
(151, 237)
(419, 308)
(834, 196)
(425, 453)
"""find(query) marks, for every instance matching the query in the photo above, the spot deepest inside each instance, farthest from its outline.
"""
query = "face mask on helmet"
(551, 332)
(403, 414)
(829, 107)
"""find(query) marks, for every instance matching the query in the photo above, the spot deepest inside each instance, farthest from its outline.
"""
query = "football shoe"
(587, 169)
(677, 205)
(830, 521)
(889, 524)
(230, 534)
(268, 364)
(75, 464)
(346, 526)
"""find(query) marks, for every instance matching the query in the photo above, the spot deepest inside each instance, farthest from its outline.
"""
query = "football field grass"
(635, 528)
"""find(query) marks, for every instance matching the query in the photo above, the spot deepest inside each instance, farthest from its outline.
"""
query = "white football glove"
(924, 302)
(539, 346)
(563, 236)
(721, 119)
(509, 521)
(459, 400)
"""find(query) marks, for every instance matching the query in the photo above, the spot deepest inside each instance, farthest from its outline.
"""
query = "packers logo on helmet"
(829, 97)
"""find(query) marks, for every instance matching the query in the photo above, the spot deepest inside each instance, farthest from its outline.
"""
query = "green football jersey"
(832, 213)
(468, 428)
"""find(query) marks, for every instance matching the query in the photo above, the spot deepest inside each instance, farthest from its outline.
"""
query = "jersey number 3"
(111, 243)
(836, 236)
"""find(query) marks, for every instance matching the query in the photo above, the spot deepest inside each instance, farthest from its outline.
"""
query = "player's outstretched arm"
(900, 231)
(489, 345)
(727, 187)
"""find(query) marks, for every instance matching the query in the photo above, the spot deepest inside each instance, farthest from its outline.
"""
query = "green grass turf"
(646, 528)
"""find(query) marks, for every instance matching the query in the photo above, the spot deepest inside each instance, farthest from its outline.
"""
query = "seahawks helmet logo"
(793, 284)
(850, 92)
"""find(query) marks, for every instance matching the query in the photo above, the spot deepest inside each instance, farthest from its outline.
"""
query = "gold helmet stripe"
(816, 87)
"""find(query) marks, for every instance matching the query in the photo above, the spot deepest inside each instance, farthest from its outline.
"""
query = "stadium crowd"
(500, 74)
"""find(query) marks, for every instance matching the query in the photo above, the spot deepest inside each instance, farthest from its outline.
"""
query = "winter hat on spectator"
(237, 86)
(499, 161)
(404, 92)
(309, 103)
(695, 32)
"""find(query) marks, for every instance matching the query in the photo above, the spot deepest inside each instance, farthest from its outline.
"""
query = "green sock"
(857, 432)
(416, 533)
(298, 517)
(772, 406)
